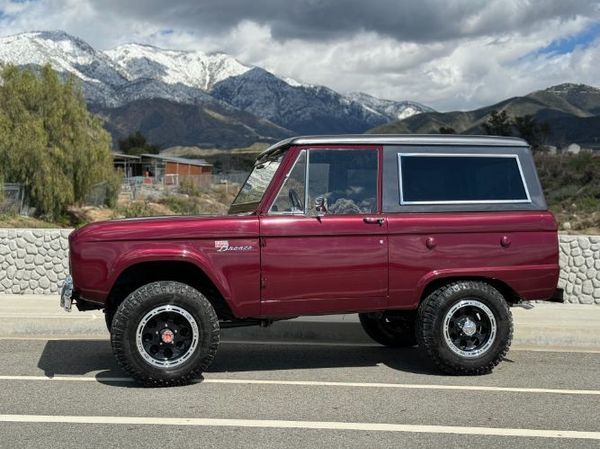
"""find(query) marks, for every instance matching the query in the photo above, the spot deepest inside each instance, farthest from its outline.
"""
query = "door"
(324, 240)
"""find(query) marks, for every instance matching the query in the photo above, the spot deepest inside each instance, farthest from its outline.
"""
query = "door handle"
(374, 220)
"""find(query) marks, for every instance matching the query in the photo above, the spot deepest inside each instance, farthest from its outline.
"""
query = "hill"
(571, 110)
(207, 125)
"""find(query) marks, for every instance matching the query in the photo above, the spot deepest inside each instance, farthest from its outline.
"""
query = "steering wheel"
(295, 200)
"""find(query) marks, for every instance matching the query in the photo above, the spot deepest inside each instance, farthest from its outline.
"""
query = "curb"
(547, 325)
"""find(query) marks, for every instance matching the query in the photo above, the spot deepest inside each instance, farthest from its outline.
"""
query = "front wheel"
(465, 327)
(165, 333)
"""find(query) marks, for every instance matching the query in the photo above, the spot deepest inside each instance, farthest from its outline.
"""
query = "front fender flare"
(179, 254)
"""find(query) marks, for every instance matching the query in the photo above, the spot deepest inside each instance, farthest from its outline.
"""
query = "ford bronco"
(430, 239)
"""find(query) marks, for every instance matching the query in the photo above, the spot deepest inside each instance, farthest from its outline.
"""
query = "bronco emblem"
(223, 245)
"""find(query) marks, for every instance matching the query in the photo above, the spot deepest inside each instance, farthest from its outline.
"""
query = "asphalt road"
(70, 394)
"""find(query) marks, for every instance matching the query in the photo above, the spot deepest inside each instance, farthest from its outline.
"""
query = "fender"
(179, 253)
(531, 281)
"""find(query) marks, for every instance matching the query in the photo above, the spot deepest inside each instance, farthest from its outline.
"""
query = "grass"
(194, 201)
(18, 221)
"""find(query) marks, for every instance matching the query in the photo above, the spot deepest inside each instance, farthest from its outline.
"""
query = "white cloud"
(491, 57)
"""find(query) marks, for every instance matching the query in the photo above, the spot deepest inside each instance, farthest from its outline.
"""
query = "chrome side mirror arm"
(321, 206)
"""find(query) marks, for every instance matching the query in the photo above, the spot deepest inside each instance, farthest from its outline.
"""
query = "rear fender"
(528, 282)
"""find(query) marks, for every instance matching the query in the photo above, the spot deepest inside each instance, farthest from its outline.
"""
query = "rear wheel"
(165, 333)
(465, 327)
(393, 328)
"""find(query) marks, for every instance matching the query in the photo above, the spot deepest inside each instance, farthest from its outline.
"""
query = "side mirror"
(321, 206)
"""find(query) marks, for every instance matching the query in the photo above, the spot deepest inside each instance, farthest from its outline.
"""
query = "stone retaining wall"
(580, 268)
(36, 261)
(33, 260)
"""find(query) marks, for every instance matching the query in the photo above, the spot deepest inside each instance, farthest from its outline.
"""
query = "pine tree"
(498, 124)
(532, 131)
(447, 130)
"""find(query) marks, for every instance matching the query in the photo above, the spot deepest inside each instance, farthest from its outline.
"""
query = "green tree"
(49, 142)
(136, 144)
(498, 124)
(534, 132)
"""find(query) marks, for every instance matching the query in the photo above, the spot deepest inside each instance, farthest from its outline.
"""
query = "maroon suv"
(429, 238)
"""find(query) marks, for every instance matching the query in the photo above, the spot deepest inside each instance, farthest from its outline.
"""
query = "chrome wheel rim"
(167, 336)
(469, 328)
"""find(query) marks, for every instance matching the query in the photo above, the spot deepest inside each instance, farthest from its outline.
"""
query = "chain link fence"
(149, 188)
(12, 198)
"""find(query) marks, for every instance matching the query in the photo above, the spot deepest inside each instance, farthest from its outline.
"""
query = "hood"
(169, 228)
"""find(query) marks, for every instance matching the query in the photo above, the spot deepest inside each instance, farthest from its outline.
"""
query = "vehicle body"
(343, 224)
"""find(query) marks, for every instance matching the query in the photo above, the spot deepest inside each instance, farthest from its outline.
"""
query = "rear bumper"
(558, 296)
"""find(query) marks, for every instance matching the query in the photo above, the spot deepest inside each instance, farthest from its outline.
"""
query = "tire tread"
(133, 302)
(429, 311)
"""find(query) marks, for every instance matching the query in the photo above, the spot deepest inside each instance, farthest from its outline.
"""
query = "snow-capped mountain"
(289, 103)
(392, 110)
(64, 52)
(305, 109)
(134, 72)
(192, 69)
(109, 78)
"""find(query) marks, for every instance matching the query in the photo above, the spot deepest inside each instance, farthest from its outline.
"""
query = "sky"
(448, 54)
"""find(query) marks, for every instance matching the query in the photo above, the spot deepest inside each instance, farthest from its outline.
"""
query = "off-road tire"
(430, 323)
(146, 298)
(396, 330)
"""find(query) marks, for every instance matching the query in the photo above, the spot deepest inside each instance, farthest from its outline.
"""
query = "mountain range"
(194, 98)
(571, 111)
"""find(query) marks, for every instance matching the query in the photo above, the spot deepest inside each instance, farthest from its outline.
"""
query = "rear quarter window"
(460, 179)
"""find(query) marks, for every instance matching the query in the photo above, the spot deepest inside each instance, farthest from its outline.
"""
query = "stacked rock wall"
(33, 260)
(580, 268)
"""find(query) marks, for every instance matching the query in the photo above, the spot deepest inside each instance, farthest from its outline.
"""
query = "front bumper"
(66, 294)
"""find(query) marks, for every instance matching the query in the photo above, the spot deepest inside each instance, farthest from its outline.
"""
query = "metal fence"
(98, 194)
(229, 178)
(145, 187)
(12, 198)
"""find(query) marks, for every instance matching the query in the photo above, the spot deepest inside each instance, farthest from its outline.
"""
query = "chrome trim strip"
(287, 176)
(306, 184)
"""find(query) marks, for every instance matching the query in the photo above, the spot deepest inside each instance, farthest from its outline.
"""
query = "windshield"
(254, 188)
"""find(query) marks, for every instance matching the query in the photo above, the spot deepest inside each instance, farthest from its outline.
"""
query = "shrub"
(571, 183)
(134, 209)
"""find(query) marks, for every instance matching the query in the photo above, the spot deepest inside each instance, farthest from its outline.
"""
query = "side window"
(345, 179)
(461, 179)
(292, 194)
